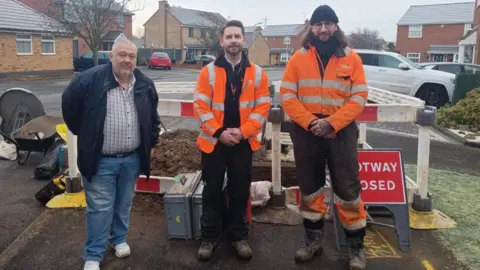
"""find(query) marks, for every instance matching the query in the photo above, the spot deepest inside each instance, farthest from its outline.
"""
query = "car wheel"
(169, 68)
(433, 95)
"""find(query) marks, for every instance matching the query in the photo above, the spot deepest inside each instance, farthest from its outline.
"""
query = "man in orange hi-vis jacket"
(232, 101)
(323, 90)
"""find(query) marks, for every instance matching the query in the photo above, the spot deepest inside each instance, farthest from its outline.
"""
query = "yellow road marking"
(386, 242)
(376, 246)
(427, 265)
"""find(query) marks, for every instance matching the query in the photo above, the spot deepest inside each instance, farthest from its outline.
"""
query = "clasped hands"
(231, 136)
(321, 128)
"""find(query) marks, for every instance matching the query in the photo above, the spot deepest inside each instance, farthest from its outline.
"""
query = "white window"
(120, 20)
(414, 57)
(415, 31)
(24, 45)
(467, 28)
(284, 57)
(48, 45)
(286, 40)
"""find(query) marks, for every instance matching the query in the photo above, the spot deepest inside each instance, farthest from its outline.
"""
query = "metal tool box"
(178, 203)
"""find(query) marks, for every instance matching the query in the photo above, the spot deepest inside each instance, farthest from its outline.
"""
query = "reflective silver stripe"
(326, 83)
(210, 128)
(321, 100)
(261, 100)
(355, 226)
(358, 99)
(200, 96)
(338, 85)
(309, 198)
(203, 117)
(359, 88)
(310, 215)
(257, 117)
(211, 74)
(287, 96)
(247, 104)
(347, 203)
(208, 137)
(303, 51)
(258, 75)
(347, 51)
(218, 106)
(289, 86)
(310, 83)
(206, 117)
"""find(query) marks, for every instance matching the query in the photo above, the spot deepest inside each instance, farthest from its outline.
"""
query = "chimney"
(163, 4)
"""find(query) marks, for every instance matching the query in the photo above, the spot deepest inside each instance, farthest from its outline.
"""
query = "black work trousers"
(237, 162)
(340, 154)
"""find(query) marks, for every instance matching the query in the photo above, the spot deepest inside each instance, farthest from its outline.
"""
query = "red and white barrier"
(393, 108)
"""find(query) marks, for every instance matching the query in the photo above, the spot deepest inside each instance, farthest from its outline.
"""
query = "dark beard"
(327, 47)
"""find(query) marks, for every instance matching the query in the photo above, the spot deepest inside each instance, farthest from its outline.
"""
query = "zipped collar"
(222, 61)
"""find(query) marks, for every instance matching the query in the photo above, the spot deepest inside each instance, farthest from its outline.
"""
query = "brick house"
(472, 38)
(431, 33)
(180, 30)
(120, 22)
(283, 40)
(256, 46)
(32, 43)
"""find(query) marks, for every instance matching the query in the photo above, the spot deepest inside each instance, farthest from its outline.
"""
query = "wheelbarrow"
(25, 124)
(38, 135)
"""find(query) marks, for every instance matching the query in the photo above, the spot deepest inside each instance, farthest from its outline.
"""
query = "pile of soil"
(177, 152)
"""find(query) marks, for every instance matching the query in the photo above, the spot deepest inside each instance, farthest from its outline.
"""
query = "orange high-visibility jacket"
(341, 94)
(209, 100)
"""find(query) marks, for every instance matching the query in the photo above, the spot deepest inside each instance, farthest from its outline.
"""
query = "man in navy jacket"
(112, 109)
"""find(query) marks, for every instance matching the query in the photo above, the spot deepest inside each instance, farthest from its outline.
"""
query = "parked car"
(160, 60)
(454, 68)
(204, 59)
(85, 61)
(396, 73)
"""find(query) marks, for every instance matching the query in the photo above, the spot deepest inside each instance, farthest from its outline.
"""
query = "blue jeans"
(109, 197)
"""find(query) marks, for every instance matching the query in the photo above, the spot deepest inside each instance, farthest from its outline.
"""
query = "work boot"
(311, 246)
(206, 249)
(356, 256)
(244, 251)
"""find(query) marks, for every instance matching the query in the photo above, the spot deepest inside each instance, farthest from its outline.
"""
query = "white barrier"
(393, 108)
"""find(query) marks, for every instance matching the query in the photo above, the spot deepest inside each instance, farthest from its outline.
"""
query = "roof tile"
(451, 13)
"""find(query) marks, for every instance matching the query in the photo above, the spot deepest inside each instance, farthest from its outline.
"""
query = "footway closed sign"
(382, 176)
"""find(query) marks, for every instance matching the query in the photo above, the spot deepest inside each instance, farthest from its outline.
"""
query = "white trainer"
(91, 265)
(122, 250)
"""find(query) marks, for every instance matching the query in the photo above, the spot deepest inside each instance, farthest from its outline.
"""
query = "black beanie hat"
(323, 13)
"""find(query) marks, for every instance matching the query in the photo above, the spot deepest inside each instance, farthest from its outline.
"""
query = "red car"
(160, 59)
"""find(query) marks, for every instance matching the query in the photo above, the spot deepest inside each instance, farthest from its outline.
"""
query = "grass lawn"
(458, 196)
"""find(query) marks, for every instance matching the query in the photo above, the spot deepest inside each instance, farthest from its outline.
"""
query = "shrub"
(465, 113)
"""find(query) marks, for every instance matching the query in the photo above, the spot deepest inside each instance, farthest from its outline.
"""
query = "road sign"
(382, 176)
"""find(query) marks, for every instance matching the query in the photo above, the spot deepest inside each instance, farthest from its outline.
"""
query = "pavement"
(34, 238)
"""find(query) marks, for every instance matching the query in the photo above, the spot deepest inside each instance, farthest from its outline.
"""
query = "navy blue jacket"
(84, 105)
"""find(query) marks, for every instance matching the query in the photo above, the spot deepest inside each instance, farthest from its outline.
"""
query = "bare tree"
(91, 20)
(366, 39)
(209, 28)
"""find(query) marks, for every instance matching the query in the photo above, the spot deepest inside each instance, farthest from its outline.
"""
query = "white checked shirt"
(121, 128)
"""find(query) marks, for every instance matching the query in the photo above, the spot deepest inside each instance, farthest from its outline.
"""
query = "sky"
(381, 15)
